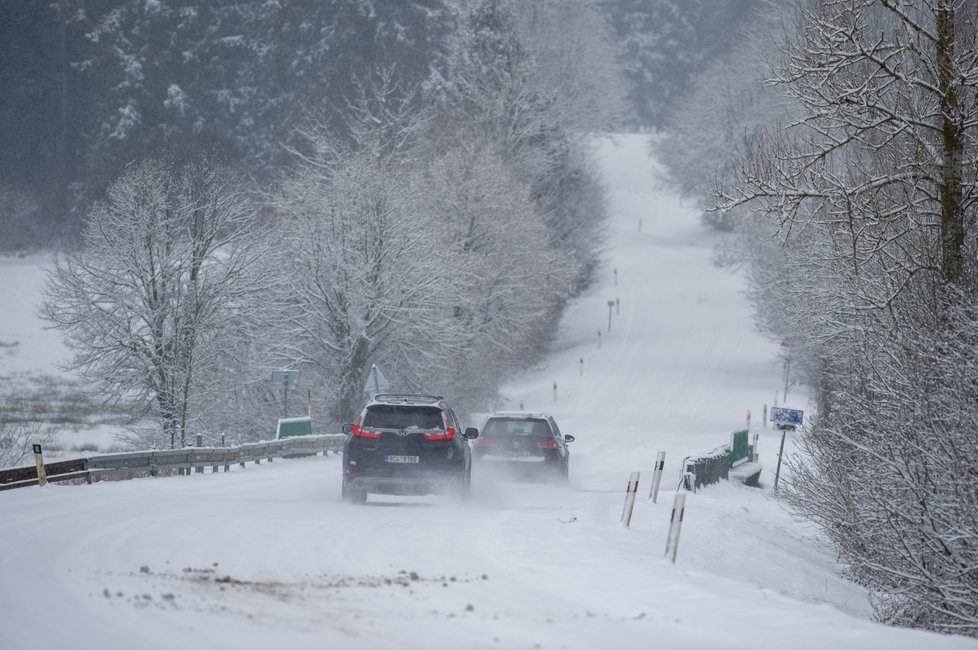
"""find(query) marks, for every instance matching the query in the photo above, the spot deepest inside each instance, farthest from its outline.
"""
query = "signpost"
(283, 380)
(786, 420)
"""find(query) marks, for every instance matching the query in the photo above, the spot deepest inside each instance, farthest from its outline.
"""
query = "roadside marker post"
(626, 513)
(42, 476)
(675, 525)
(660, 463)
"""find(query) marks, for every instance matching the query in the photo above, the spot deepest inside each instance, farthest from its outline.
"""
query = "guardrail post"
(626, 513)
(42, 476)
(675, 525)
(200, 443)
(660, 463)
(227, 466)
(689, 479)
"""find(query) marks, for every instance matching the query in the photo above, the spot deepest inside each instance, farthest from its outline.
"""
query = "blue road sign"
(793, 417)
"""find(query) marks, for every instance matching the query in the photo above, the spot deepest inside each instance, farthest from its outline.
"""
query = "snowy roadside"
(269, 555)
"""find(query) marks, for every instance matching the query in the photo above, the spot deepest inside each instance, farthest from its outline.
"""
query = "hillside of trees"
(838, 144)
(241, 186)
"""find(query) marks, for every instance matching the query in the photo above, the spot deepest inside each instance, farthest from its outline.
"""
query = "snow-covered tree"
(664, 43)
(575, 62)
(374, 276)
(873, 189)
(514, 280)
(488, 87)
(171, 264)
(728, 107)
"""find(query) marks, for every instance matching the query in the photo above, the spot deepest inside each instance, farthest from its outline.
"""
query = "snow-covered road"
(268, 556)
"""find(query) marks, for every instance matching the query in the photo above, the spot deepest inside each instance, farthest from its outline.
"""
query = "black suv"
(406, 445)
(524, 444)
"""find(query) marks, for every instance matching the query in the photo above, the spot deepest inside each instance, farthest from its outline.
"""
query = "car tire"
(465, 485)
(565, 471)
(351, 495)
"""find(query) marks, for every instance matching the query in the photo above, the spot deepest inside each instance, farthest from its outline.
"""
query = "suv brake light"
(448, 435)
(363, 433)
(485, 442)
(547, 444)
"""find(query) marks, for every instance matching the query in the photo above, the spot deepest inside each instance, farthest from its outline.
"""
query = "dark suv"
(524, 444)
(406, 445)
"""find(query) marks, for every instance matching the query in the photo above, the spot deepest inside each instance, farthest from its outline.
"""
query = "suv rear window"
(397, 416)
(516, 426)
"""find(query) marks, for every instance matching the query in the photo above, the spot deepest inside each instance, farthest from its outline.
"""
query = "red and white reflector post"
(748, 419)
(660, 463)
(626, 513)
(42, 476)
(754, 449)
(675, 525)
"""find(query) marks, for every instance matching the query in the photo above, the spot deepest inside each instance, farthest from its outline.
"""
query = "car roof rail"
(407, 398)
(521, 415)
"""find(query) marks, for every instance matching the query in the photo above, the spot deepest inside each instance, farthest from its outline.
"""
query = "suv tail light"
(485, 442)
(448, 435)
(449, 431)
(363, 433)
(549, 443)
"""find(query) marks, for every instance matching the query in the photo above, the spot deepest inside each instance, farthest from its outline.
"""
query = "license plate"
(401, 459)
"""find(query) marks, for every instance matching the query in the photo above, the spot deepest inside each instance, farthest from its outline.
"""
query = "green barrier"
(293, 427)
(739, 448)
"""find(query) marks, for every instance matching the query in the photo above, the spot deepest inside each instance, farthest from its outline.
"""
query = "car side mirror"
(347, 429)
(471, 433)
(568, 438)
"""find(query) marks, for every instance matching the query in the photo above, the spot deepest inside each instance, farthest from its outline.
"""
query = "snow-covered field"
(269, 556)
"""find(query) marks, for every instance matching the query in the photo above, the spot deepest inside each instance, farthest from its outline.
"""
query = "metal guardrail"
(707, 469)
(167, 461)
(710, 468)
